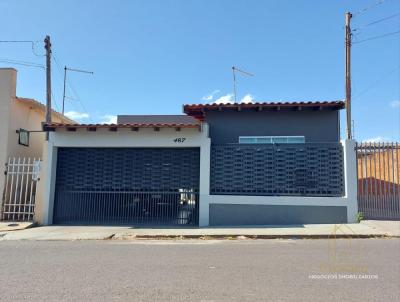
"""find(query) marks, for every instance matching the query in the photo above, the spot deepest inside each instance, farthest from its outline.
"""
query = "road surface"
(240, 270)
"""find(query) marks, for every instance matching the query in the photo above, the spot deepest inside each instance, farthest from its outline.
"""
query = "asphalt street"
(195, 270)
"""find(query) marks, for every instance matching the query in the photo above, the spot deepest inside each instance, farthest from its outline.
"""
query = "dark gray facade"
(315, 125)
(156, 119)
(241, 214)
(277, 169)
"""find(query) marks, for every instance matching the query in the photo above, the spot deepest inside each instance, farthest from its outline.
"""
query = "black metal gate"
(150, 186)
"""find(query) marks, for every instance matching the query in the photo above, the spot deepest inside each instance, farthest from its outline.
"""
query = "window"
(271, 139)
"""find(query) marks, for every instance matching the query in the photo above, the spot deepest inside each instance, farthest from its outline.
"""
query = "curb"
(252, 237)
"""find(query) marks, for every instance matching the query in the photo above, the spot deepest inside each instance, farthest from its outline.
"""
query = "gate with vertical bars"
(18, 199)
(152, 186)
(378, 180)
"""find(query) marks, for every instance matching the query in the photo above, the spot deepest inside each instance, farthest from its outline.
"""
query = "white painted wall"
(7, 94)
(124, 138)
(16, 114)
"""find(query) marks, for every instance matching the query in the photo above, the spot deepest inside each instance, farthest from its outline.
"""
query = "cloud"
(74, 115)
(378, 139)
(109, 119)
(225, 99)
(395, 104)
(248, 98)
(228, 99)
(210, 96)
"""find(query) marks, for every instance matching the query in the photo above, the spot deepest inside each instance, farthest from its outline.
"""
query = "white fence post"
(350, 179)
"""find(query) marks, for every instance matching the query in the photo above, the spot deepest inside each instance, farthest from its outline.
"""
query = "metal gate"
(18, 200)
(378, 180)
(150, 186)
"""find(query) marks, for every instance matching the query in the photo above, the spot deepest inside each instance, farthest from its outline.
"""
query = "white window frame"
(259, 139)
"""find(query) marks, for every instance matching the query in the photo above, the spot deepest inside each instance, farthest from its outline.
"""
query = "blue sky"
(150, 57)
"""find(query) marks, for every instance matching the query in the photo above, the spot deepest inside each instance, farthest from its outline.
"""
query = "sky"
(151, 57)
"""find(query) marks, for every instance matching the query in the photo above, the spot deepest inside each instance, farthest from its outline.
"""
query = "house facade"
(20, 113)
(218, 165)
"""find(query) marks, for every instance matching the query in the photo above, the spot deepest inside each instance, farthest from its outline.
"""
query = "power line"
(25, 41)
(55, 103)
(22, 63)
(18, 41)
(362, 11)
(378, 37)
(377, 21)
(376, 82)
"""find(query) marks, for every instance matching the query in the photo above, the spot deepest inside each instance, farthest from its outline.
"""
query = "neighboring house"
(20, 113)
(220, 164)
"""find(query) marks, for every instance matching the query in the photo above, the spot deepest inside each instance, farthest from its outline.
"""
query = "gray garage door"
(127, 186)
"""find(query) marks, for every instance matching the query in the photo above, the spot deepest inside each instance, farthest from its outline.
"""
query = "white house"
(18, 113)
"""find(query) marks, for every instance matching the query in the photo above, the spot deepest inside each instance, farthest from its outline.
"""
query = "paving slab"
(7, 226)
(61, 233)
(390, 227)
(361, 230)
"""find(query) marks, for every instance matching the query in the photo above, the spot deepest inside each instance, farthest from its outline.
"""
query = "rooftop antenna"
(65, 81)
(234, 69)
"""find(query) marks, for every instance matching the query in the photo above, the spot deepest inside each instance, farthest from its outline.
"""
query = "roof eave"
(198, 110)
(91, 127)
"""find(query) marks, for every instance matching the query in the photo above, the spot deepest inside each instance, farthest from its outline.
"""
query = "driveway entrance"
(150, 186)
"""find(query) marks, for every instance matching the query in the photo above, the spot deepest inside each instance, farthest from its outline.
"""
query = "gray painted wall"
(241, 214)
(317, 126)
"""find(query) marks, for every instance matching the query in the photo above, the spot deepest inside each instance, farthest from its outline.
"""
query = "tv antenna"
(65, 81)
(234, 69)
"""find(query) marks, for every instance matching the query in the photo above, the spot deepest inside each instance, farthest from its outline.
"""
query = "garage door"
(127, 186)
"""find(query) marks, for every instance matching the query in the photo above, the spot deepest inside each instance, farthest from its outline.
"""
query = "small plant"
(360, 216)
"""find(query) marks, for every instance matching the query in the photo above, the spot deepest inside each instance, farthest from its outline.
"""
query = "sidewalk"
(7, 226)
(365, 229)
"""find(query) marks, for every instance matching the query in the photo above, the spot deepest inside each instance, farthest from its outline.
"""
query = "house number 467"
(179, 139)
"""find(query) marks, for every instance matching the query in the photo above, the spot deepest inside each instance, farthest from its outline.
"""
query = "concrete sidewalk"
(365, 229)
(7, 226)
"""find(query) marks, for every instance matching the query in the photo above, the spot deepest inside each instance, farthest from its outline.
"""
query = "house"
(217, 165)
(20, 114)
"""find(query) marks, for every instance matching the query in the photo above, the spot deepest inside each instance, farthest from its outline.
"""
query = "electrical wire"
(375, 22)
(22, 63)
(25, 41)
(376, 82)
(362, 11)
(377, 37)
(54, 102)
(18, 41)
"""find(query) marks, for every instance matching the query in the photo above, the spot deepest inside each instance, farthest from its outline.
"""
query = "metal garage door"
(127, 186)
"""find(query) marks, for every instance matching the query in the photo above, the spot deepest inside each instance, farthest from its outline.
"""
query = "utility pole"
(348, 75)
(65, 81)
(47, 46)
